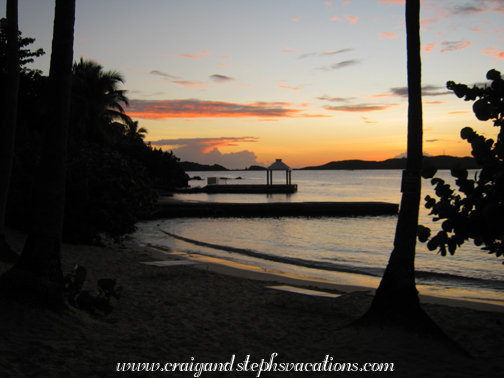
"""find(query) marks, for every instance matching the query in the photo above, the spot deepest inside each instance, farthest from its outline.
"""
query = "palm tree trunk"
(37, 276)
(396, 300)
(398, 282)
(9, 122)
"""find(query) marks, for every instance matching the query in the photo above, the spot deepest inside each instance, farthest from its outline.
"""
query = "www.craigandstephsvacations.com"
(326, 365)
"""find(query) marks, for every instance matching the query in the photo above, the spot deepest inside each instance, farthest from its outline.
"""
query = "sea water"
(346, 250)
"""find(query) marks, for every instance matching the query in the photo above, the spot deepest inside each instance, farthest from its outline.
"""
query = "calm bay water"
(348, 250)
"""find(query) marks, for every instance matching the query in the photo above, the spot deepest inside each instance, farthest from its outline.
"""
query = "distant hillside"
(255, 168)
(188, 166)
(440, 162)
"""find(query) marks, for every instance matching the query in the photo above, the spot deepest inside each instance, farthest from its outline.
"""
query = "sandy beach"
(220, 314)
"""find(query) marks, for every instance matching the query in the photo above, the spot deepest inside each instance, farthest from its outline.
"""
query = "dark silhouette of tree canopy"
(37, 276)
(97, 108)
(134, 132)
(10, 78)
(476, 210)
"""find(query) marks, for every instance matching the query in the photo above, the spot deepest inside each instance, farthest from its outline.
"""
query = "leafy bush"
(475, 211)
(106, 193)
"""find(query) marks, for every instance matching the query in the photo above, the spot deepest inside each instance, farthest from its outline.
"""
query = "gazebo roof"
(278, 165)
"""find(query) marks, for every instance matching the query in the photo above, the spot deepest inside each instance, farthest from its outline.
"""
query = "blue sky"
(245, 82)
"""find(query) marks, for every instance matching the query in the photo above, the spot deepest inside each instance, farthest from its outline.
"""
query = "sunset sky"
(243, 82)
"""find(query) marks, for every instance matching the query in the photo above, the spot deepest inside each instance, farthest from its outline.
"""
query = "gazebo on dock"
(278, 165)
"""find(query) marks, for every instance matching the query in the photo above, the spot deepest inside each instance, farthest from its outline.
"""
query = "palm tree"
(37, 275)
(97, 113)
(133, 132)
(10, 107)
(396, 301)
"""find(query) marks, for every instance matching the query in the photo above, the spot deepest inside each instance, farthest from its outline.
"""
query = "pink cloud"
(353, 20)
(288, 87)
(287, 50)
(492, 51)
(191, 108)
(429, 47)
(190, 84)
(386, 35)
(199, 56)
(393, 2)
(296, 19)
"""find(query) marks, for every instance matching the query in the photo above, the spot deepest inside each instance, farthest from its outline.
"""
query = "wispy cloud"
(325, 53)
(454, 45)
(159, 73)
(221, 78)
(155, 73)
(190, 84)
(193, 108)
(393, 2)
(339, 65)
(427, 90)
(428, 47)
(352, 19)
(202, 55)
(492, 51)
(360, 108)
(288, 50)
(366, 120)
(386, 35)
(466, 9)
(334, 99)
(288, 87)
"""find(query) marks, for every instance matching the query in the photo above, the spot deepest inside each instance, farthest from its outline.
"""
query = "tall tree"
(135, 133)
(97, 112)
(37, 275)
(396, 301)
(9, 122)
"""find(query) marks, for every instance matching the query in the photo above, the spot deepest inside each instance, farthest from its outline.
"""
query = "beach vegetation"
(98, 114)
(474, 210)
(112, 174)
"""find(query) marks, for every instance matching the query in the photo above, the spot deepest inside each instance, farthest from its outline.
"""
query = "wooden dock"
(170, 208)
(250, 189)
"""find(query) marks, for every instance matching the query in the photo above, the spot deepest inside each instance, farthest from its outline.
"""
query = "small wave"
(425, 277)
(281, 259)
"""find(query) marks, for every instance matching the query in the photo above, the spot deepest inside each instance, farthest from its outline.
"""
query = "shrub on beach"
(106, 193)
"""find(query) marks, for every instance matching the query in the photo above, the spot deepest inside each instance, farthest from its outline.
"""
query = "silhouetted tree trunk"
(37, 276)
(396, 301)
(8, 131)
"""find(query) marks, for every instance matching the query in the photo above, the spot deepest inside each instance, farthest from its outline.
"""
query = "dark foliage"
(163, 167)
(111, 172)
(106, 193)
(475, 210)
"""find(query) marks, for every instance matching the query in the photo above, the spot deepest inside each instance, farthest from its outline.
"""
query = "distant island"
(440, 162)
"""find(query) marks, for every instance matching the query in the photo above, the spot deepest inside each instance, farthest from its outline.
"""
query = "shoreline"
(180, 314)
(227, 267)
